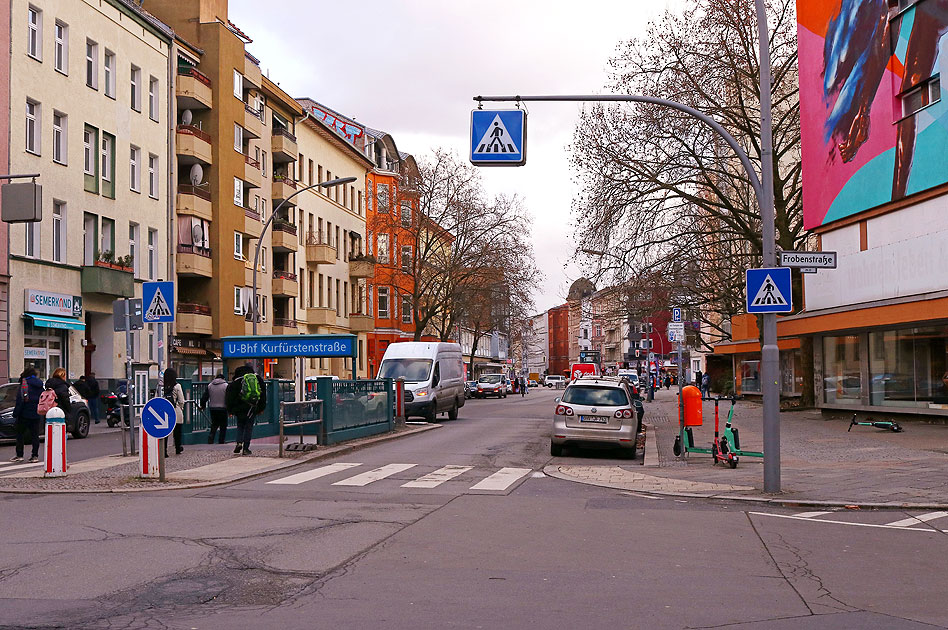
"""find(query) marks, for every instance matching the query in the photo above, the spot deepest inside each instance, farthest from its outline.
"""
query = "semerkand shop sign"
(50, 303)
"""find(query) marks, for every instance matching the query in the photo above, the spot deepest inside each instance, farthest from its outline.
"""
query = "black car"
(77, 422)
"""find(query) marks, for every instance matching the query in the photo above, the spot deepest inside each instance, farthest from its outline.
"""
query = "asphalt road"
(459, 528)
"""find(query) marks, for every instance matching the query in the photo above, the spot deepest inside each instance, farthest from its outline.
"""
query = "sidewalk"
(821, 464)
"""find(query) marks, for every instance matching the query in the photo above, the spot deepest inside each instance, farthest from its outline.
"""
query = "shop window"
(909, 368)
(750, 377)
(842, 378)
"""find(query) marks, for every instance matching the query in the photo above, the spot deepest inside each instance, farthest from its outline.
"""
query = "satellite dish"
(186, 117)
(197, 173)
(197, 234)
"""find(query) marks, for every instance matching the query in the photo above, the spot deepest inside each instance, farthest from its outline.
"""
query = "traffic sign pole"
(129, 384)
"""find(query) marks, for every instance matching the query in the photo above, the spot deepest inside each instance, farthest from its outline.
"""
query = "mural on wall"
(862, 66)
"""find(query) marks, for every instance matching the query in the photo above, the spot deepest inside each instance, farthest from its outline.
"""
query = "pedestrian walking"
(668, 381)
(93, 399)
(705, 385)
(171, 390)
(523, 387)
(215, 401)
(245, 400)
(57, 383)
(26, 420)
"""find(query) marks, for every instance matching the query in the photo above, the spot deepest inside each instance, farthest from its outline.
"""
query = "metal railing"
(190, 189)
(194, 249)
(197, 74)
(191, 130)
(283, 131)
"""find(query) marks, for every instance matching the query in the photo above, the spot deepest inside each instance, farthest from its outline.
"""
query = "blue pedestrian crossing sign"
(498, 137)
(769, 290)
(158, 418)
(158, 302)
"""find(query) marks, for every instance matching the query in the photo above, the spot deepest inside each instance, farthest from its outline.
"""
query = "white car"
(554, 380)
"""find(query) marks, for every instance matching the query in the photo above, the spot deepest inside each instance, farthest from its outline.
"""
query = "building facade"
(89, 87)
(559, 339)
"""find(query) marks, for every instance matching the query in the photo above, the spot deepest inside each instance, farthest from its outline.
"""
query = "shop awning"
(51, 321)
(196, 352)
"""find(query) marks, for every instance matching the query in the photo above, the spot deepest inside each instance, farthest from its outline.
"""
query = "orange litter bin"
(691, 396)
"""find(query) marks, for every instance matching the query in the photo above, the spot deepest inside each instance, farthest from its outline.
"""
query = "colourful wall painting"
(859, 60)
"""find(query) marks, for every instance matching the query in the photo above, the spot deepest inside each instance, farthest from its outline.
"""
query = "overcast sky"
(411, 68)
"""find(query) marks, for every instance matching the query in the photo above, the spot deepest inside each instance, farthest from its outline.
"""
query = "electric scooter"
(727, 448)
(891, 425)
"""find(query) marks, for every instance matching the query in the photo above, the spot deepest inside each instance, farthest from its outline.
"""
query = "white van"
(433, 373)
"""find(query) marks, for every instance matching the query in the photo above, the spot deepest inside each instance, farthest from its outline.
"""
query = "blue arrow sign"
(769, 290)
(157, 302)
(498, 137)
(158, 418)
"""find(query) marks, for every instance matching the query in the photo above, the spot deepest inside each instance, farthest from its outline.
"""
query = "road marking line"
(438, 477)
(821, 520)
(374, 475)
(810, 514)
(502, 479)
(3, 471)
(309, 475)
(915, 520)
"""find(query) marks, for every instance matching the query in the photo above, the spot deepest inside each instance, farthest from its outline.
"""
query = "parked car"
(433, 374)
(469, 388)
(596, 412)
(554, 379)
(77, 420)
(532, 383)
(492, 385)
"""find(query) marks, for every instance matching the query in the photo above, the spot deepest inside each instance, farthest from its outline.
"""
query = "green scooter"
(725, 448)
(891, 425)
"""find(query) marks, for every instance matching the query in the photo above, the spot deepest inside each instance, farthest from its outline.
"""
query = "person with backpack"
(94, 393)
(25, 417)
(215, 400)
(57, 383)
(172, 391)
(245, 400)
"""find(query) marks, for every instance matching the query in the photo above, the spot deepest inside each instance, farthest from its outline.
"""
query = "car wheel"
(430, 413)
(81, 429)
(453, 412)
(556, 450)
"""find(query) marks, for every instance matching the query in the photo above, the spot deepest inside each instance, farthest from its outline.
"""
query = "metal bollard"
(148, 455)
(55, 464)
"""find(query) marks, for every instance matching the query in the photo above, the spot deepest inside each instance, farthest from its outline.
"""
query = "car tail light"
(563, 410)
(624, 413)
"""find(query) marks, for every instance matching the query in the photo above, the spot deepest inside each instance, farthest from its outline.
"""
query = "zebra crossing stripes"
(12, 466)
(374, 475)
(501, 479)
(917, 520)
(438, 477)
(316, 473)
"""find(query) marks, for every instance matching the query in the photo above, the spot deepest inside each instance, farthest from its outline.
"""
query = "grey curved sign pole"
(764, 189)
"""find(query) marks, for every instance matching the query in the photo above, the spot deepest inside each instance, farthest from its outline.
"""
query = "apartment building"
(332, 269)
(5, 33)
(89, 96)
(236, 161)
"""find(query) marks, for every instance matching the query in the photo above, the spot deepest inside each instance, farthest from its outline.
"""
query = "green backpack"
(250, 389)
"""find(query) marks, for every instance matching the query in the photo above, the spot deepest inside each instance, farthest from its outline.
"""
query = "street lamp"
(256, 257)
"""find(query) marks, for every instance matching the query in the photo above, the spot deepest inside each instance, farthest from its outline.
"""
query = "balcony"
(361, 323)
(284, 284)
(193, 201)
(193, 90)
(252, 225)
(194, 261)
(283, 326)
(194, 319)
(283, 236)
(253, 122)
(361, 267)
(252, 75)
(107, 280)
(283, 188)
(320, 316)
(283, 145)
(192, 145)
(318, 251)
(252, 175)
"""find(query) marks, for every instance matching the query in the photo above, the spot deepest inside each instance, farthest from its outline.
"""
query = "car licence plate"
(596, 419)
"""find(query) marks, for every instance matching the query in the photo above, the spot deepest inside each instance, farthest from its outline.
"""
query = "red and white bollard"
(400, 399)
(148, 455)
(55, 464)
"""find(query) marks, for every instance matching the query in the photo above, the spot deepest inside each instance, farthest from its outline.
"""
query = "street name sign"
(158, 300)
(769, 290)
(812, 260)
(498, 137)
(158, 418)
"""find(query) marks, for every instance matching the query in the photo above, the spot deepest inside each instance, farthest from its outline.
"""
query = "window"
(107, 242)
(34, 36)
(921, 96)
(382, 191)
(238, 138)
(238, 85)
(90, 226)
(263, 163)
(133, 246)
(238, 246)
(61, 48)
(59, 212)
(152, 175)
(406, 309)
(136, 89)
(337, 243)
(59, 137)
(152, 254)
(92, 64)
(30, 248)
(107, 166)
(406, 257)
(134, 168)
(238, 192)
(383, 302)
(153, 98)
(406, 215)
(88, 163)
(263, 208)
(32, 131)
(382, 244)
(109, 74)
(238, 301)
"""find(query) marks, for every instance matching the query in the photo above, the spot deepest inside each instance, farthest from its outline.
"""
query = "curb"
(553, 471)
(650, 460)
(328, 452)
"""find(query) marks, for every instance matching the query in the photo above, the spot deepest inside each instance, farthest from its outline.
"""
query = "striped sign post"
(55, 464)
(148, 455)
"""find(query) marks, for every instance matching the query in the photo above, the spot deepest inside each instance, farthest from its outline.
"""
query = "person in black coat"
(94, 392)
(242, 410)
(26, 418)
(57, 383)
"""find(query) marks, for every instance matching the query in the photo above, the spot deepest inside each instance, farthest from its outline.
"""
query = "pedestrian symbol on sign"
(158, 308)
(769, 294)
(496, 139)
